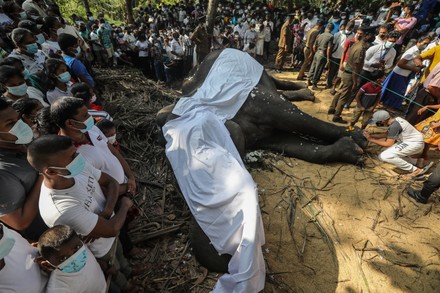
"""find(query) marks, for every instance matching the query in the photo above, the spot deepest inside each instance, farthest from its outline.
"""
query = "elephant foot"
(299, 95)
(358, 138)
(350, 151)
(205, 253)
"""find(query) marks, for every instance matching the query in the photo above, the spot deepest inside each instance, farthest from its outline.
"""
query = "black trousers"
(432, 183)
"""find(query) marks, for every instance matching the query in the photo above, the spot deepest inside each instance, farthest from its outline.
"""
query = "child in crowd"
(71, 50)
(83, 91)
(75, 267)
(27, 110)
(19, 272)
(59, 84)
(109, 129)
(367, 99)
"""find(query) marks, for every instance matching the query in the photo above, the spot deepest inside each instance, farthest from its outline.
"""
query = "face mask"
(6, 243)
(76, 262)
(403, 14)
(75, 167)
(389, 45)
(343, 17)
(112, 139)
(40, 39)
(351, 16)
(78, 51)
(336, 19)
(93, 99)
(23, 15)
(32, 48)
(22, 132)
(91, 18)
(19, 90)
(88, 123)
(356, 13)
(26, 74)
(422, 47)
(369, 17)
(64, 77)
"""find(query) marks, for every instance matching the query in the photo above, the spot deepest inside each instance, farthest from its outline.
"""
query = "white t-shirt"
(77, 207)
(409, 55)
(142, 45)
(89, 279)
(36, 94)
(21, 273)
(404, 132)
(99, 155)
(177, 48)
(56, 93)
(50, 47)
(339, 41)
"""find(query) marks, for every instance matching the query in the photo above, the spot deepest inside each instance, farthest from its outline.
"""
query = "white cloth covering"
(227, 85)
(217, 187)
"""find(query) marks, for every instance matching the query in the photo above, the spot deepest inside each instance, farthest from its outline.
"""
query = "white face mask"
(22, 132)
(112, 139)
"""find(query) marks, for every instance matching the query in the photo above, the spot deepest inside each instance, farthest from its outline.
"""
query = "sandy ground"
(340, 228)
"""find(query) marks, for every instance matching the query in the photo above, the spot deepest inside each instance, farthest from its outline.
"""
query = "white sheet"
(220, 194)
(232, 77)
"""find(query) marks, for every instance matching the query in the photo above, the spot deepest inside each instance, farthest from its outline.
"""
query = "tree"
(129, 5)
(211, 14)
(86, 6)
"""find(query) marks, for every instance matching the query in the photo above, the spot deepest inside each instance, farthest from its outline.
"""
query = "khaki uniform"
(200, 38)
(354, 65)
(310, 40)
(322, 43)
(286, 40)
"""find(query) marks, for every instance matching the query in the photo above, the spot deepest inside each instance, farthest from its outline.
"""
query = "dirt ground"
(340, 228)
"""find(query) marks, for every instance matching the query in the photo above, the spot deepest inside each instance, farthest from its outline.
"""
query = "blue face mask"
(26, 74)
(6, 243)
(19, 90)
(23, 15)
(22, 132)
(389, 45)
(76, 262)
(32, 48)
(89, 122)
(78, 51)
(64, 77)
(75, 167)
(40, 39)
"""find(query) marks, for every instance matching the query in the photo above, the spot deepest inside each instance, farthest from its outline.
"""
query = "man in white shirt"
(338, 47)
(379, 57)
(72, 194)
(19, 272)
(177, 53)
(402, 141)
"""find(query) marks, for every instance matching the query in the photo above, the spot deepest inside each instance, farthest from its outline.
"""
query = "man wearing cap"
(201, 39)
(401, 139)
(285, 43)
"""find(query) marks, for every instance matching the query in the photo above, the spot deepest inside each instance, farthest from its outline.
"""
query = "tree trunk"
(86, 6)
(130, 18)
(211, 14)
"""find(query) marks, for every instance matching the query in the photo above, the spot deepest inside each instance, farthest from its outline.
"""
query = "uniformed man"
(308, 49)
(323, 48)
(286, 42)
(201, 39)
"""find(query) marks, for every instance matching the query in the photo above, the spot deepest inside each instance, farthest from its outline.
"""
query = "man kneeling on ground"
(402, 141)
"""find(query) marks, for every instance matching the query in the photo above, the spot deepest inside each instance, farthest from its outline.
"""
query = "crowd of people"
(66, 187)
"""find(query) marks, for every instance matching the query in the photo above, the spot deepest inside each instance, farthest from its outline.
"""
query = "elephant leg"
(299, 95)
(205, 253)
(345, 150)
(288, 85)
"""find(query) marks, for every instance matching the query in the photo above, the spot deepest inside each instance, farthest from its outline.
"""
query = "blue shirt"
(336, 28)
(78, 69)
